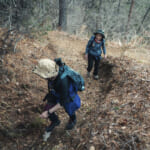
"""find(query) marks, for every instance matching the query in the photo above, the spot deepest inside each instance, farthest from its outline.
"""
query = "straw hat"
(46, 68)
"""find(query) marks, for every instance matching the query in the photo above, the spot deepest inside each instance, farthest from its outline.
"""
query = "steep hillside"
(115, 110)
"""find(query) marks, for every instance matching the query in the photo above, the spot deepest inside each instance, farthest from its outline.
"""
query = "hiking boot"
(46, 135)
(96, 77)
(71, 124)
(88, 74)
(52, 126)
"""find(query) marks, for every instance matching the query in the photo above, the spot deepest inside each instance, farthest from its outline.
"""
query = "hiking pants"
(54, 118)
(96, 60)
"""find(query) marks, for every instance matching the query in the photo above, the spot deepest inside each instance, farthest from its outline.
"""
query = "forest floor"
(115, 111)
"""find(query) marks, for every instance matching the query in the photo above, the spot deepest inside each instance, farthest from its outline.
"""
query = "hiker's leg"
(90, 63)
(96, 66)
(53, 117)
(73, 117)
(72, 122)
(54, 122)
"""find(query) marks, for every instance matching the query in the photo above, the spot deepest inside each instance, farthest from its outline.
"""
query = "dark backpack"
(75, 77)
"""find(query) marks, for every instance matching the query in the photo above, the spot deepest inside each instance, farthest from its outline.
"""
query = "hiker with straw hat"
(58, 95)
(94, 49)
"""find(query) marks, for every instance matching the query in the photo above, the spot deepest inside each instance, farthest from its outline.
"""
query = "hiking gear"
(65, 93)
(46, 135)
(46, 68)
(69, 99)
(72, 122)
(95, 48)
(96, 77)
(74, 76)
(91, 60)
(100, 32)
(66, 71)
(52, 126)
(88, 74)
(71, 107)
(59, 91)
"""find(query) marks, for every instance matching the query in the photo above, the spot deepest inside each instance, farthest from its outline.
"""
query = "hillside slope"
(115, 110)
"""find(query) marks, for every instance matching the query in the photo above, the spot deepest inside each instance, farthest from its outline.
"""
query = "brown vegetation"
(115, 109)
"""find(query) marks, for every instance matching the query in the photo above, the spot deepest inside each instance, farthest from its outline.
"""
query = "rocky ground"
(115, 110)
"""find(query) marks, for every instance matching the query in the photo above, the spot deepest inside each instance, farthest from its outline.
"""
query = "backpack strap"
(93, 38)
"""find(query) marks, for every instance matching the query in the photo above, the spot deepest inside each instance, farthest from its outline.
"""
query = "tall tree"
(119, 6)
(144, 17)
(62, 14)
(129, 15)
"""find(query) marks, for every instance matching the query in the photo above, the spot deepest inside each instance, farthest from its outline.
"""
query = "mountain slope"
(114, 112)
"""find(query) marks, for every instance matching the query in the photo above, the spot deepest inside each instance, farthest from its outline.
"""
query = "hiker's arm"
(49, 85)
(49, 88)
(104, 49)
(64, 87)
(55, 108)
(45, 114)
(89, 45)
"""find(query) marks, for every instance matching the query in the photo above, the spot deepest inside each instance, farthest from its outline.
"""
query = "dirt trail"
(115, 110)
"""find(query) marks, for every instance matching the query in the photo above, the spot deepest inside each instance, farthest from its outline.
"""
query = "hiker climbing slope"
(93, 52)
(63, 85)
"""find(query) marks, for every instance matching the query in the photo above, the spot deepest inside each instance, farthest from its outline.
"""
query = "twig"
(103, 138)
(17, 42)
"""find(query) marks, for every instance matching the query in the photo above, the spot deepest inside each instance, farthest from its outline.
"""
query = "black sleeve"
(64, 91)
(45, 98)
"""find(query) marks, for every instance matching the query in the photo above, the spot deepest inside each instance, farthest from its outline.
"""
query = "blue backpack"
(75, 77)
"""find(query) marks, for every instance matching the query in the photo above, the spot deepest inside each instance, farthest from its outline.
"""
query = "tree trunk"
(118, 10)
(98, 18)
(62, 14)
(129, 16)
(144, 17)
(100, 7)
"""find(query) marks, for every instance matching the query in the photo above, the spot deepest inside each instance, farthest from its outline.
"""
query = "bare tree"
(62, 14)
(129, 15)
(119, 6)
(144, 17)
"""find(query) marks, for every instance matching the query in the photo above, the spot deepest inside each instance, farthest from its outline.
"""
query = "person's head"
(47, 69)
(99, 35)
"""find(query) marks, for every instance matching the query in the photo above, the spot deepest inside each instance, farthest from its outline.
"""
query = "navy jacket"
(95, 49)
(61, 89)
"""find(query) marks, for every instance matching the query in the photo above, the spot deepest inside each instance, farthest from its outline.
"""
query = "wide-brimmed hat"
(46, 68)
(100, 32)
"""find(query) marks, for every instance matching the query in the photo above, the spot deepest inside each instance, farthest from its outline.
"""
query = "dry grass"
(135, 49)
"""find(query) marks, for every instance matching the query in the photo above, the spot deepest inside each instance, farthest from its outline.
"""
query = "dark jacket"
(62, 91)
(95, 49)
(59, 89)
